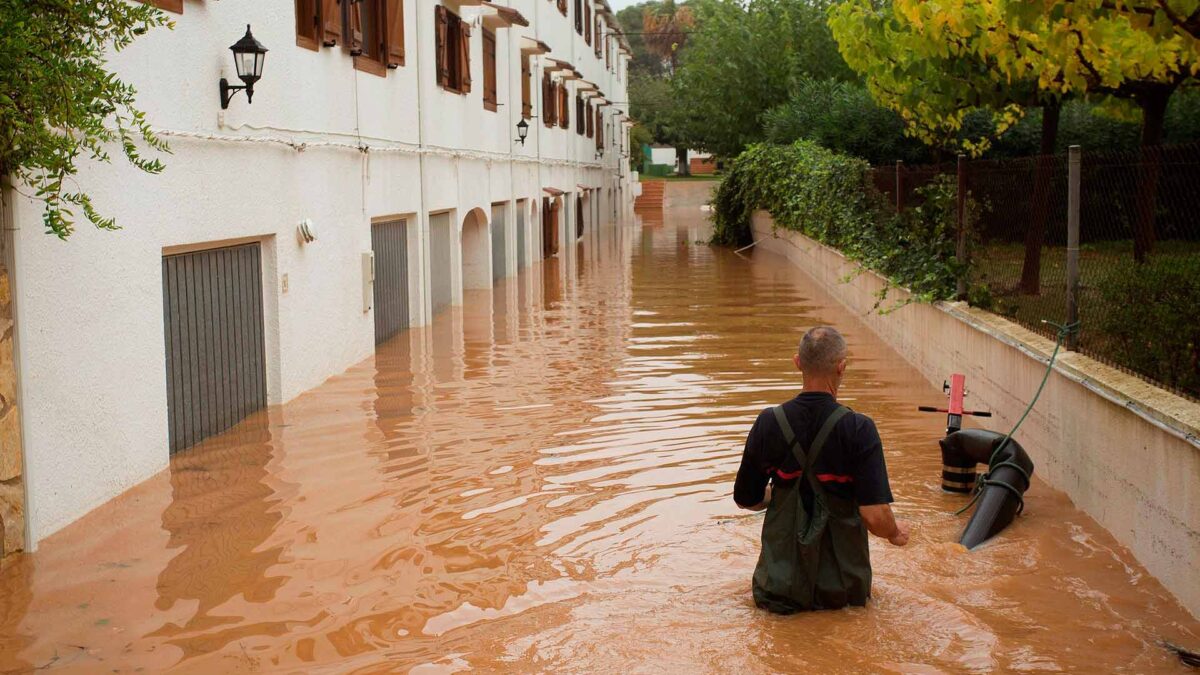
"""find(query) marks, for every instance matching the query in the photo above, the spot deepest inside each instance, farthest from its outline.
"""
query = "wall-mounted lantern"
(522, 130)
(248, 57)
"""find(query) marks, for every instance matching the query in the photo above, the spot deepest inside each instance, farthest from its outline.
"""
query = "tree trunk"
(1035, 236)
(1154, 112)
(681, 158)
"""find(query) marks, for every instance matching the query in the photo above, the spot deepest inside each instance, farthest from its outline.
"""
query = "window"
(599, 36)
(580, 118)
(371, 30)
(607, 54)
(591, 122)
(489, 70)
(579, 16)
(365, 35)
(599, 128)
(562, 7)
(526, 88)
(564, 107)
(169, 5)
(330, 20)
(308, 24)
(453, 46)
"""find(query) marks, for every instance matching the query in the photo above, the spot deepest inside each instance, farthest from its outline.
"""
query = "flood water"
(541, 482)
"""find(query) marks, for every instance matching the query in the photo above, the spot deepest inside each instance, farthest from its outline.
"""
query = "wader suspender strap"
(807, 460)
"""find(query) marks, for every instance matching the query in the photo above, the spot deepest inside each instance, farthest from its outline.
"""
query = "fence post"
(961, 221)
(899, 185)
(1073, 166)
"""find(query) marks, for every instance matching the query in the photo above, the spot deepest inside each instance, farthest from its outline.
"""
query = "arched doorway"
(551, 212)
(476, 251)
(579, 215)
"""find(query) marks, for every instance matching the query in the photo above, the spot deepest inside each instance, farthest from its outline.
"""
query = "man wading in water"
(818, 470)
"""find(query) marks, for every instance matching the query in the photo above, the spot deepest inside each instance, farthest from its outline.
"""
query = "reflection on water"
(540, 482)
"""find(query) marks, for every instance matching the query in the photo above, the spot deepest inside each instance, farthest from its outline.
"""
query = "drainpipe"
(426, 286)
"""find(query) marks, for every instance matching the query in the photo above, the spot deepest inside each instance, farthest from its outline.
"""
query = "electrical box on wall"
(368, 275)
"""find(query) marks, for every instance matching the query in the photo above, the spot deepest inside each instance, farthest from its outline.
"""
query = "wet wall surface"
(541, 482)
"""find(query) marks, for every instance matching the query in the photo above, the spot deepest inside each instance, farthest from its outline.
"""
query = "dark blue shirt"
(850, 466)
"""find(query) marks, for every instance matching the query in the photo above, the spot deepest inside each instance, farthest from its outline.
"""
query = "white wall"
(322, 141)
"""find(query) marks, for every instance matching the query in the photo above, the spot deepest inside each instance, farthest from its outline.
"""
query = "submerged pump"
(1000, 491)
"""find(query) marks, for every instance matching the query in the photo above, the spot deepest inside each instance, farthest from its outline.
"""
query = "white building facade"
(375, 175)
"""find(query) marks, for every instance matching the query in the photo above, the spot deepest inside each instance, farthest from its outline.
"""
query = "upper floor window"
(489, 70)
(365, 34)
(562, 7)
(580, 118)
(564, 107)
(579, 16)
(599, 36)
(371, 30)
(453, 47)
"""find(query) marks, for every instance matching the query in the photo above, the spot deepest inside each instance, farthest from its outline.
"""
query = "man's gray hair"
(821, 349)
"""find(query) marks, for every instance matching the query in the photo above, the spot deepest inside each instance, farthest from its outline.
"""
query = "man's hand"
(880, 522)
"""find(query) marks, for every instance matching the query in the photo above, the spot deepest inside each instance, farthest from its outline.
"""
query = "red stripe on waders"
(834, 478)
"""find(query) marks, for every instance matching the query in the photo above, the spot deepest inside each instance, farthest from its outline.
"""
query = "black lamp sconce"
(522, 131)
(248, 57)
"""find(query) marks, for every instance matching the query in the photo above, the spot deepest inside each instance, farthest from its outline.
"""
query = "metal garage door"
(521, 255)
(499, 239)
(440, 290)
(389, 241)
(213, 322)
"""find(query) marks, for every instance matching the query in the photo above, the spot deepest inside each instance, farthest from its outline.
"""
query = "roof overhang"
(502, 17)
(531, 46)
(556, 65)
(553, 191)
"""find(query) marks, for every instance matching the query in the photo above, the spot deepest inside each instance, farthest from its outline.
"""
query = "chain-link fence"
(1138, 294)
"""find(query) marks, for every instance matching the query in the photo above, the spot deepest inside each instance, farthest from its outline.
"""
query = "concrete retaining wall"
(1127, 453)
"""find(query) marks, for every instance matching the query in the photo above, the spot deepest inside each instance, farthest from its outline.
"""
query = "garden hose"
(1064, 330)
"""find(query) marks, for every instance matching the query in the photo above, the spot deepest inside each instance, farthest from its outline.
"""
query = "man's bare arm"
(883, 524)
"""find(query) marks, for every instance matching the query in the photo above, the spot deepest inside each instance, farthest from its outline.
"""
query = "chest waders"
(811, 559)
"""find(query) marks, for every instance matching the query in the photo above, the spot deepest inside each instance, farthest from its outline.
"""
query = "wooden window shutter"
(394, 39)
(489, 70)
(599, 128)
(353, 27)
(169, 5)
(587, 21)
(441, 45)
(591, 120)
(331, 22)
(526, 88)
(547, 101)
(464, 55)
(579, 16)
(562, 7)
(599, 37)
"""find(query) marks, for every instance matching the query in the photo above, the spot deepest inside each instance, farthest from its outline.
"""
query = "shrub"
(829, 197)
(1153, 319)
(843, 117)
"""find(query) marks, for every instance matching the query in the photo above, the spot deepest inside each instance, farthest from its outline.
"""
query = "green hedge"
(1153, 320)
(829, 197)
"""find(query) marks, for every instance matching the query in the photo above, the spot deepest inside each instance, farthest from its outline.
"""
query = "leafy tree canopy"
(740, 61)
(59, 103)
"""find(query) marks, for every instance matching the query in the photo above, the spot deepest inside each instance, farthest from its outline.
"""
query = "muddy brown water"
(541, 482)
